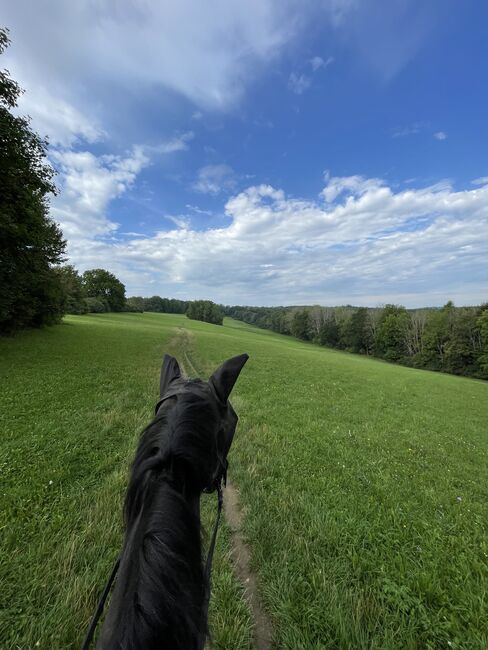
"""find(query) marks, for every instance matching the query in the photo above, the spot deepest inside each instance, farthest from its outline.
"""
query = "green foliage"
(450, 339)
(134, 304)
(165, 305)
(482, 323)
(357, 334)
(464, 343)
(390, 340)
(205, 310)
(99, 283)
(438, 329)
(300, 324)
(32, 244)
(329, 332)
(96, 305)
(72, 290)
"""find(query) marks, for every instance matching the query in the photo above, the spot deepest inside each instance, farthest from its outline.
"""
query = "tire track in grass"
(262, 632)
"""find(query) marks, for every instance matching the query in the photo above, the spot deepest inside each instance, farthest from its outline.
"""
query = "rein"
(100, 606)
(208, 565)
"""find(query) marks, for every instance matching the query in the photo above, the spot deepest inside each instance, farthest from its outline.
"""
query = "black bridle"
(216, 486)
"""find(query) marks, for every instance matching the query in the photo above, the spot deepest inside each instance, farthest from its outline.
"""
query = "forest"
(448, 339)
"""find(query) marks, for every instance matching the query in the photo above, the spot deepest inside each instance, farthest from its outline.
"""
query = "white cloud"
(88, 184)
(480, 181)
(298, 84)
(213, 179)
(353, 185)
(367, 244)
(318, 62)
(206, 52)
(410, 129)
(197, 210)
(177, 143)
(440, 135)
(58, 119)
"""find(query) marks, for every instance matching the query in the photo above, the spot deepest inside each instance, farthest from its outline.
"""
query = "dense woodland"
(156, 304)
(205, 310)
(451, 339)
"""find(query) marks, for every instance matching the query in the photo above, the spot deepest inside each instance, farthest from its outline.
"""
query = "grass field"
(364, 485)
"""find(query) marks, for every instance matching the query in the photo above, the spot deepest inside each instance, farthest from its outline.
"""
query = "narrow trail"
(262, 632)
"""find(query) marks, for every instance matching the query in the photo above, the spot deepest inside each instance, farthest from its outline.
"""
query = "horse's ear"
(224, 378)
(170, 370)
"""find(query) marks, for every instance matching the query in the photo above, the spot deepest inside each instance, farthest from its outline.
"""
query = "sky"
(267, 152)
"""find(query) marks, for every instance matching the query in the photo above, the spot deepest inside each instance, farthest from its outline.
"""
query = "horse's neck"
(158, 596)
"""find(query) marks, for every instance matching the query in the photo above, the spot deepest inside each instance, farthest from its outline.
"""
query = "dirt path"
(262, 632)
(262, 629)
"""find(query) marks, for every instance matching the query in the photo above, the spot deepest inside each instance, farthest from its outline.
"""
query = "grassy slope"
(365, 484)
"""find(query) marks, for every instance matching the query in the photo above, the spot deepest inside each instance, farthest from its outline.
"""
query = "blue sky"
(266, 152)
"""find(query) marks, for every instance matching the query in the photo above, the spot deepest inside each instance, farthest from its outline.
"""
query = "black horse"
(160, 597)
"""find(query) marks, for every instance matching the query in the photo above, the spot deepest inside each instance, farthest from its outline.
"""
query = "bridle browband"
(216, 486)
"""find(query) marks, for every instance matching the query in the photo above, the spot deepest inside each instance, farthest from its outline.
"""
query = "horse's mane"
(159, 592)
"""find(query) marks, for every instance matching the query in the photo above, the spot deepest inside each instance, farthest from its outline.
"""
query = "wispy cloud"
(318, 62)
(440, 135)
(197, 210)
(213, 179)
(298, 84)
(177, 143)
(206, 52)
(58, 119)
(409, 129)
(483, 180)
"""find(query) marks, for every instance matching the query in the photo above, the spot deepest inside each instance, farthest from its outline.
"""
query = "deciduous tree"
(32, 244)
(99, 283)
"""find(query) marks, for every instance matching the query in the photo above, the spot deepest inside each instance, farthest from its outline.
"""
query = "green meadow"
(364, 485)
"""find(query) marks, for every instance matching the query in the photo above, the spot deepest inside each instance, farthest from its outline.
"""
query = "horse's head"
(201, 419)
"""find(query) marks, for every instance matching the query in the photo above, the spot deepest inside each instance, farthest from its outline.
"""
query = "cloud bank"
(361, 242)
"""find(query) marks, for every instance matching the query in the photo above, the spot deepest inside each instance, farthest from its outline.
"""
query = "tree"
(32, 244)
(437, 332)
(300, 324)
(391, 334)
(357, 333)
(415, 331)
(205, 310)
(482, 323)
(135, 303)
(72, 290)
(464, 344)
(99, 283)
(329, 332)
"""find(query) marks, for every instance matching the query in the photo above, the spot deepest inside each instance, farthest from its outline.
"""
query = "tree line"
(203, 310)
(450, 339)
(156, 304)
